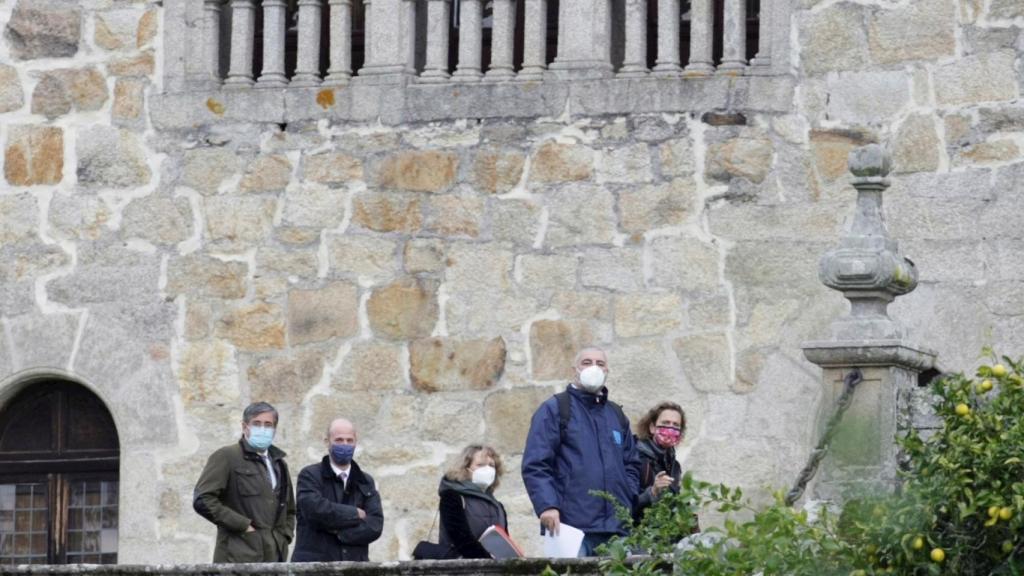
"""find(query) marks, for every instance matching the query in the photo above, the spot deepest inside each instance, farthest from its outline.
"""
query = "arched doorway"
(59, 454)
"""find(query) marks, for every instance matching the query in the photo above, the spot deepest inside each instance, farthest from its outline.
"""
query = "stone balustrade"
(304, 43)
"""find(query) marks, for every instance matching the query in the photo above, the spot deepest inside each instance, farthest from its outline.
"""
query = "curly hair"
(643, 427)
(459, 470)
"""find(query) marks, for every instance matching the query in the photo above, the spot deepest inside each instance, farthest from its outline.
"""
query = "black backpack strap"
(563, 414)
(623, 421)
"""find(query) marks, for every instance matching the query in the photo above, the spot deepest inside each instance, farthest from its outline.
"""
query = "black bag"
(427, 550)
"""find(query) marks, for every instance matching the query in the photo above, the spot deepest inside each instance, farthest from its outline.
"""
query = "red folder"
(500, 545)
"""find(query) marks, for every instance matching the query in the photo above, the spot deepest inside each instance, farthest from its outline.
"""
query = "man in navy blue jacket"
(578, 443)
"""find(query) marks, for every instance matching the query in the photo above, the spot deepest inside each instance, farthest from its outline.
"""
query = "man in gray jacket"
(246, 491)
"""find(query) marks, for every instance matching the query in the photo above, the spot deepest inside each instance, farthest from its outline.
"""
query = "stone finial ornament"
(867, 266)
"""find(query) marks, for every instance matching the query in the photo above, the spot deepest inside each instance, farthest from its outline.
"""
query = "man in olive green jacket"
(245, 489)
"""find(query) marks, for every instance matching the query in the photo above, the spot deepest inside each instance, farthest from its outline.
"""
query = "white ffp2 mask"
(592, 378)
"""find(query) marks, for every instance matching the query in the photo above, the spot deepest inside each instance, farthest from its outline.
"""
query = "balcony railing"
(302, 43)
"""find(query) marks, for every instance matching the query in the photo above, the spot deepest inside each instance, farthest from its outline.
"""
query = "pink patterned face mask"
(667, 436)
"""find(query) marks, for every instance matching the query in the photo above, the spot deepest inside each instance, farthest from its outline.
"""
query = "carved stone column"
(868, 268)
(534, 40)
(584, 39)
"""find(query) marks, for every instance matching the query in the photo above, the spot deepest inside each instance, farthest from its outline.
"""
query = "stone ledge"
(845, 354)
(531, 566)
(393, 104)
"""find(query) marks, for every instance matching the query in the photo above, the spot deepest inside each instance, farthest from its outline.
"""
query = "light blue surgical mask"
(261, 438)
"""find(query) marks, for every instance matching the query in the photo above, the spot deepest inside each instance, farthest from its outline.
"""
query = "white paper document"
(565, 545)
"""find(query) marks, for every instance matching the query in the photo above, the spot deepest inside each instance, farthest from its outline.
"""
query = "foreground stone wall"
(431, 279)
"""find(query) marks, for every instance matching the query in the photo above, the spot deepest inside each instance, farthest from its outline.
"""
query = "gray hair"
(576, 360)
(255, 409)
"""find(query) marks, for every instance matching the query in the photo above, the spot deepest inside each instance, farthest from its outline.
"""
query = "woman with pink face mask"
(658, 433)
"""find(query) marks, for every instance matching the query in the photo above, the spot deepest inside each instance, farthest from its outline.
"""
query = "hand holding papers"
(566, 544)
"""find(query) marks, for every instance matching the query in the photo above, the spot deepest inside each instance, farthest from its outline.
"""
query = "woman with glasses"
(658, 433)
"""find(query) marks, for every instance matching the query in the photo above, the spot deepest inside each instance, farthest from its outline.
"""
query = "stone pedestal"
(862, 458)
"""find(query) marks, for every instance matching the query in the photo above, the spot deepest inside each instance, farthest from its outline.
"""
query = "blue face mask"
(260, 438)
(342, 453)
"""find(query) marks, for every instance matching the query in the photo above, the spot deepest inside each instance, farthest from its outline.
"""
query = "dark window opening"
(59, 454)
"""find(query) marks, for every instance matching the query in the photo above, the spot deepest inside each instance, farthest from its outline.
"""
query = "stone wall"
(426, 261)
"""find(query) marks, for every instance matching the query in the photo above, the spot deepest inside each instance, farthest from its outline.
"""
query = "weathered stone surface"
(629, 165)
(387, 212)
(647, 314)
(50, 97)
(444, 420)
(19, 215)
(115, 29)
(993, 151)
(749, 158)
(916, 148)
(205, 276)
(830, 150)
(158, 219)
(253, 327)
(419, 170)
(34, 155)
(867, 98)
(556, 162)
(641, 374)
(676, 157)
(486, 314)
(362, 258)
(332, 168)
(424, 255)
(272, 261)
(108, 272)
(404, 310)
(439, 364)
(42, 340)
(371, 366)
(650, 207)
(497, 171)
(285, 379)
(205, 168)
(714, 311)
(833, 39)
(146, 31)
(586, 305)
(975, 79)
(705, 360)
(78, 216)
(322, 314)
(142, 64)
(1006, 9)
(110, 157)
(536, 271)
(313, 206)
(454, 215)
(235, 223)
(198, 320)
(580, 214)
(38, 30)
(516, 221)
(553, 347)
(790, 221)
(59, 91)
(12, 95)
(513, 409)
(129, 101)
(208, 374)
(267, 174)
(617, 269)
(473, 268)
(684, 262)
(923, 30)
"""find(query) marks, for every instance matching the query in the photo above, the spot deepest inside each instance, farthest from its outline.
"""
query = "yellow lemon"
(938, 555)
(962, 410)
(999, 370)
(1007, 546)
(985, 386)
(993, 511)
(1005, 513)
(918, 543)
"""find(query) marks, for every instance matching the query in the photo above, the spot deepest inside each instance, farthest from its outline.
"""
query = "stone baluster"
(409, 35)
(734, 38)
(436, 68)
(211, 37)
(667, 63)
(762, 62)
(470, 41)
(340, 71)
(635, 61)
(367, 31)
(584, 39)
(535, 40)
(274, 16)
(243, 40)
(869, 270)
(502, 41)
(307, 67)
(387, 47)
(702, 18)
